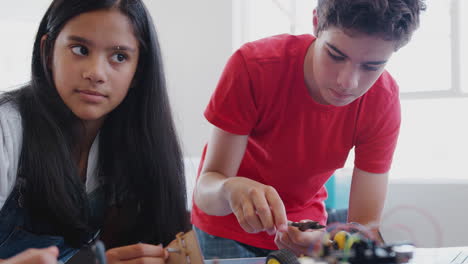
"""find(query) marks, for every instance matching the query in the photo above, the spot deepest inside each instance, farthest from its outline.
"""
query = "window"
(429, 53)
(261, 18)
(463, 29)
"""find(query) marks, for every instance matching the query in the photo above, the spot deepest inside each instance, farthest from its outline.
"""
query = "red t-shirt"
(295, 144)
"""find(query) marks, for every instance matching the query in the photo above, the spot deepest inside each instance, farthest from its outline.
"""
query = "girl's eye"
(119, 57)
(80, 50)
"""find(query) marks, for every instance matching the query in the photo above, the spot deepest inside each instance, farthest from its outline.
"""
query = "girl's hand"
(137, 254)
(34, 256)
(257, 207)
(299, 242)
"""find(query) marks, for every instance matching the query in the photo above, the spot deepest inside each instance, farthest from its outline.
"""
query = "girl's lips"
(91, 96)
(91, 92)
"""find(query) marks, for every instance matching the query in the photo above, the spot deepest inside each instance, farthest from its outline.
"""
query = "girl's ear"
(44, 39)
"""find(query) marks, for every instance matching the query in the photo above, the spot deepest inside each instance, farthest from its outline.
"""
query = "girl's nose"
(95, 71)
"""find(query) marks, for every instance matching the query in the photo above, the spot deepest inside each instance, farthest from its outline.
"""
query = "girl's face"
(94, 60)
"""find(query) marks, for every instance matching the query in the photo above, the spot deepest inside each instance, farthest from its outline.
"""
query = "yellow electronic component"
(340, 239)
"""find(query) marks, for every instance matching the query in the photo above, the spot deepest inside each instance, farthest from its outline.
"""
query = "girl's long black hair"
(140, 162)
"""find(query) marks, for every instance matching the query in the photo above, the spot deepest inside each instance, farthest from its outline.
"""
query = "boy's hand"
(34, 256)
(257, 207)
(137, 253)
(299, 242)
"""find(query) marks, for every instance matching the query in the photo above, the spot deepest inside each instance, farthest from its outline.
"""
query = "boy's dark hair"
(140, 161)
(393, 20)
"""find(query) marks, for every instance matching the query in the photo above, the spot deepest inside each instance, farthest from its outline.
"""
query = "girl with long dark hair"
(88, 148)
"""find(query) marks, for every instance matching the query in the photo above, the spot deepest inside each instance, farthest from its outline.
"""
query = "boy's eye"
(334, 57)
(369, 68)
(80, 50)
(119, 57)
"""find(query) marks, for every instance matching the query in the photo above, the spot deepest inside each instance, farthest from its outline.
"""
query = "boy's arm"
(256, 206)
(223, 158)
(367, 197)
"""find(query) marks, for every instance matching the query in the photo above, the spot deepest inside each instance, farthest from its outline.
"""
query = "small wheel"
(282, 256)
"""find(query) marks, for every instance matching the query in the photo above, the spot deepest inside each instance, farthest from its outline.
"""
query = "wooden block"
(185, 249)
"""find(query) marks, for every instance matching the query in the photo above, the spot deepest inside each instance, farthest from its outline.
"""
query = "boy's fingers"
(278, 211)
(239, 213)
(285, 241)
(305, 239)
(263, 212)
(251, 217)
(282, 241)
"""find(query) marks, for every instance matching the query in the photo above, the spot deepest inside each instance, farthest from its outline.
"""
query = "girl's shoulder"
(10, 146)
(10, 119)
(9, 109)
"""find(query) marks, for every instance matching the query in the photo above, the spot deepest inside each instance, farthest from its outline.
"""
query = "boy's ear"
(315, 22)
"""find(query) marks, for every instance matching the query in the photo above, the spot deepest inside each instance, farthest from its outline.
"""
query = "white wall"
(18, 27)
(196, 40)
(430, 214)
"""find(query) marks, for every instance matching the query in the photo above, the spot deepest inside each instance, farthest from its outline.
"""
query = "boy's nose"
(348, 79)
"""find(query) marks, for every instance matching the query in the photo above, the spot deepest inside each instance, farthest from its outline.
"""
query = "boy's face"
(344, 67)
(94, 60)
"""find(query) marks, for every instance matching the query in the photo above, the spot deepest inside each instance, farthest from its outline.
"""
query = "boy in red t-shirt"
(286, 113)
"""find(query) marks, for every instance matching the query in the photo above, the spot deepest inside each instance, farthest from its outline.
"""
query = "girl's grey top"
(11, 139)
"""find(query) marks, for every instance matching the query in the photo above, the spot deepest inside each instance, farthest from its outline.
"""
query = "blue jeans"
(217, 247)
(18, 231)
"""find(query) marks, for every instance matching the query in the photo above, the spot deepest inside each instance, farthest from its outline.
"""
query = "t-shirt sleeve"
(232, 106)
(10, 140)
(377, 136)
